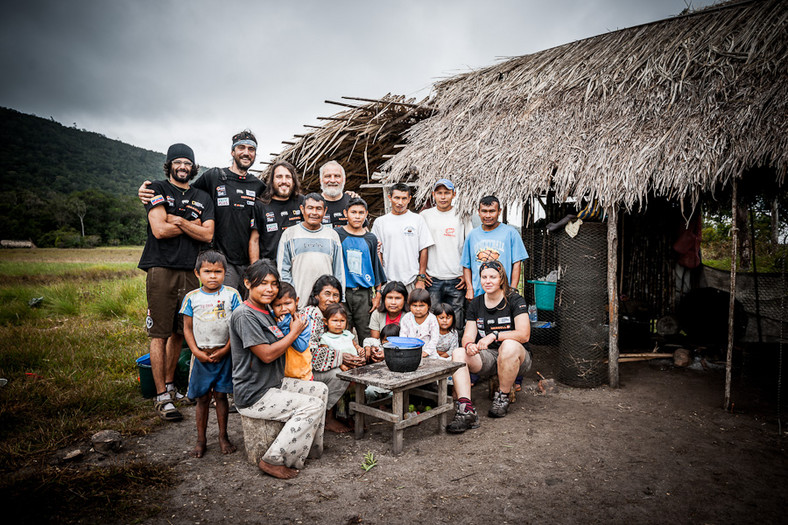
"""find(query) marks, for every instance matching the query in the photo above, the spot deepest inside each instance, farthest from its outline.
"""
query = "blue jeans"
(445, 291)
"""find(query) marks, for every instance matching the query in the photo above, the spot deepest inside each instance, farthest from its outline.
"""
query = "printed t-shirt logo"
(223, 201)
(504, 320)
(157, 199)
(170, 201)
(272, 227)
(409, 231)
(450, 232)
(269, 216)
(488, 254)
(251, 193)
(221, 191)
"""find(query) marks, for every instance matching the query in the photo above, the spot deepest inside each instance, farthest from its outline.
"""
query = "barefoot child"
(448, 340)
(206, 323)
(420, 323)
(298, 359)
(261, 390)
(341, 339)
(392, 304)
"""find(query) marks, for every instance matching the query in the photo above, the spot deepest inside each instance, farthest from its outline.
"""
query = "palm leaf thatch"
(671, 108)
(359, 137)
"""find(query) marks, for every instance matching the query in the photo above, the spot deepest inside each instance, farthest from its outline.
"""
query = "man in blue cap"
(444, 278)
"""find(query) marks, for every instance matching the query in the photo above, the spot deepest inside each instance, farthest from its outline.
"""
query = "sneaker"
(464, 418)
(500, 405)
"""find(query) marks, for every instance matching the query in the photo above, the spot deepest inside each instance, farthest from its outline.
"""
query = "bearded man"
(180, 219)
(278, 208)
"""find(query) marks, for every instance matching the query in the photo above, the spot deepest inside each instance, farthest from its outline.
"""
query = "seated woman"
(261, 389)
(496, 330)
(325, 360)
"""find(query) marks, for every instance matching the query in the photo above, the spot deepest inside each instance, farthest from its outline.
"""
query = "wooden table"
(402, 384)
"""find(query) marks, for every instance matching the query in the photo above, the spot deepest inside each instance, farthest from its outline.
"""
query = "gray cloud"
(155, 72)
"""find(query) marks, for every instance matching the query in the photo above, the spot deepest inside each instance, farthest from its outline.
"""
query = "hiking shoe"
(464, 418)
(500, 405)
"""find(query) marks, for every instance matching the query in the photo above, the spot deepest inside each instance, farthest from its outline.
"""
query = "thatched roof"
(674, 107)
(360, 138)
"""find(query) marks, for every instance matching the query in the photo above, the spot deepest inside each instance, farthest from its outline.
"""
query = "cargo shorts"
(165, 289)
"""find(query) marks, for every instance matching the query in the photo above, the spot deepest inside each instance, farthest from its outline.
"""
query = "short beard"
(332, 192)
(174, 175)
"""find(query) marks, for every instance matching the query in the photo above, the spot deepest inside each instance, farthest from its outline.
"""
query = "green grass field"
(72, 324)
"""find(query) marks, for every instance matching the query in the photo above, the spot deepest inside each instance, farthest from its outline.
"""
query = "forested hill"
(36, 152)
(67, 187)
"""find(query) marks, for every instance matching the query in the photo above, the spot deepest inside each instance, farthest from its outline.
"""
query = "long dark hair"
(268, 194)
(393, 286)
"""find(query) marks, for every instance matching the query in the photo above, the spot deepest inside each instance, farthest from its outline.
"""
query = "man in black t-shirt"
(180, 218)
(275, 210)
(233, 191)
(332, 186)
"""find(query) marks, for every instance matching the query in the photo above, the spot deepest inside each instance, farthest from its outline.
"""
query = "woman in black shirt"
(496, 330)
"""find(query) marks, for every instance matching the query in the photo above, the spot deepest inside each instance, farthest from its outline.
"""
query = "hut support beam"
(731, 303)
(612, 293)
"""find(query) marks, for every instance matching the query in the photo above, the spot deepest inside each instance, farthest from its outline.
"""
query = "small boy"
(206, 326)
(363, 271)
(298, 358)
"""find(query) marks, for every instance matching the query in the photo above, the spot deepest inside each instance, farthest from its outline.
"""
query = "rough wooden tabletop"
(379, 375)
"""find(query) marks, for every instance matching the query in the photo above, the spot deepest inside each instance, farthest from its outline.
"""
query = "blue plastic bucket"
(544, 295)
(145, 377)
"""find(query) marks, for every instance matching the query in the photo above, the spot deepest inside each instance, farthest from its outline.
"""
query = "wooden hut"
(673, 110)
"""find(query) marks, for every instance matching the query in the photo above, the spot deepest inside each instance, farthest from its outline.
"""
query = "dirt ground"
(658, 450)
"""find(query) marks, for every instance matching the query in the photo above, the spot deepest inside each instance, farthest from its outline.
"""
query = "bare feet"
(227, 447)
(277, 471)
(333, 425)
(199, 450)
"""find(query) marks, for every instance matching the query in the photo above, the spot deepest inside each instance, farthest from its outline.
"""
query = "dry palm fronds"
(671, 108)
(358, 138)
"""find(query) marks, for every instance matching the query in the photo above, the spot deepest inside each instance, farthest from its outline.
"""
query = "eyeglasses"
(184, 163)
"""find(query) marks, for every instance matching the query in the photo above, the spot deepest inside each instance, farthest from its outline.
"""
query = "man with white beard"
(332, 187)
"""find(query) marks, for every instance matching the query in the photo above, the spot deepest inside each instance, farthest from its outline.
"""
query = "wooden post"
(612, 293)
(731, 303)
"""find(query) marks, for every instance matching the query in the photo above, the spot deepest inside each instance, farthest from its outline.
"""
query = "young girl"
(392, 304)
(447, 341)
(420, 323)
(261, 389)
(337, 336)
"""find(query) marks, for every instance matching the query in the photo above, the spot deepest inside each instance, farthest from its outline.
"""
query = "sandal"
(171, 414)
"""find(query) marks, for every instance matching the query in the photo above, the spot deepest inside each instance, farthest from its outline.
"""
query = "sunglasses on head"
(495, 265)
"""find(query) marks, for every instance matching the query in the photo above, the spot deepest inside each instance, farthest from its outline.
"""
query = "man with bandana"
(180, 218)
(233, 191)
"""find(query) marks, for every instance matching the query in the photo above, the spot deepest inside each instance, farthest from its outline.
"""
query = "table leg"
(443, 384)
(405, 402)
(361, 399)
(396, 409)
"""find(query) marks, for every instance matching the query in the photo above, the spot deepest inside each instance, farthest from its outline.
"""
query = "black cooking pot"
(403, 354)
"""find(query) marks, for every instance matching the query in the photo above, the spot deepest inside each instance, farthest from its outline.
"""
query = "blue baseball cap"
(444, 182)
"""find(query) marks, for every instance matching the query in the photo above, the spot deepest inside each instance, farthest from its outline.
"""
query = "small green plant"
(369, 462)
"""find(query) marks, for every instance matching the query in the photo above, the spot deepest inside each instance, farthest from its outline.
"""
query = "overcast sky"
(154, 72)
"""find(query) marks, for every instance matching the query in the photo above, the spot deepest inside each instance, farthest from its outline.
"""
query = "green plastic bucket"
(544, 295)
(147, 386)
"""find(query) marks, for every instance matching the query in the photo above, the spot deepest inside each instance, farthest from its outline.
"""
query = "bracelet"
(468, 343)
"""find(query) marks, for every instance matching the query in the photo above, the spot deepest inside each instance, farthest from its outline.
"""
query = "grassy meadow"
(71, 325)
